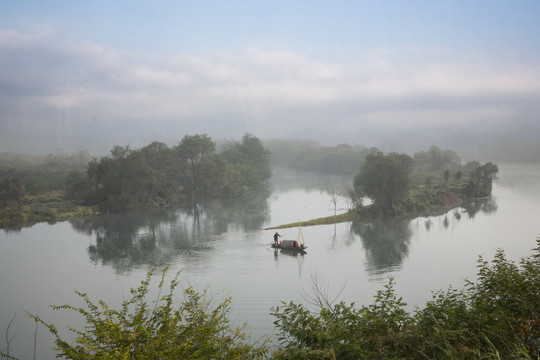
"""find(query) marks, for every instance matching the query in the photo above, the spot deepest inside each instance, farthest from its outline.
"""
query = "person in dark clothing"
(276, 236)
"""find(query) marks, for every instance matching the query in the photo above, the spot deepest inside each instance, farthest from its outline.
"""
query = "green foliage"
(384, 178)
(399, 185)
(498, 313)
(122, 181)
(497, 316)
(250, 162)
(11, 191)
(194, 155)
(481, 180)
(79, 188)
(342, 331)
(36, 179)
(50, 207)
(161, 160)
(439, 166)
(193, 329)
(152, 176)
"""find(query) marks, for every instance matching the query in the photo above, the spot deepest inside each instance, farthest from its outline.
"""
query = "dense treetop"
(389, 180)
(158, 175)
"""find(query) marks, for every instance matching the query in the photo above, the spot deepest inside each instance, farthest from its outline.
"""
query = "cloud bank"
(55, 93)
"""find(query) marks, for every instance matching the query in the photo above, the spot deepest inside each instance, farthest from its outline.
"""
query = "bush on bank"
(495, 317)
(196, 328)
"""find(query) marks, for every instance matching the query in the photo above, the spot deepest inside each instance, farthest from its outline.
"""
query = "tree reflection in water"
(154, 237)
(386, 242)
(485, 205)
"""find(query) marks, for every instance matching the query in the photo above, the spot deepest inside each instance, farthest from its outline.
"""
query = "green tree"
(196, 154)
(79, 188)
(487, 174)
(196, 328)
(251, 166)
(446, 176)
(11, 191)
(457, 176)
(481, 179)
(162, 160)
(384, 178)
(256, 156)
(123, 180)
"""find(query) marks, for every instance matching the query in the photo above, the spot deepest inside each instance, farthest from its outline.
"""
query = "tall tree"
(123, 180)
(256, 155)
(195, 153)
(251, 162)
(384, 178)
(162, 160)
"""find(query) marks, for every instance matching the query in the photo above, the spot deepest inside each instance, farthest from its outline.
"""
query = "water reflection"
(485, 205)
(248, 212)
(446, 222)
(155, 237)
(291, 253)
(386, 242)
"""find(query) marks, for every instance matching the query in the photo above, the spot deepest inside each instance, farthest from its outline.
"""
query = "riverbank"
(47, 207)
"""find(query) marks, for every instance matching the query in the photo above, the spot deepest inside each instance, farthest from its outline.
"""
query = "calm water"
(220, 246)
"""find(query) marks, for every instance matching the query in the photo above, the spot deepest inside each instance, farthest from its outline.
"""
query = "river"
(220, 246)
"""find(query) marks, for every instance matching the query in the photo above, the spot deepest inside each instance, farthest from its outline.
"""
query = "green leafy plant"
(193, 329)
(497, 316)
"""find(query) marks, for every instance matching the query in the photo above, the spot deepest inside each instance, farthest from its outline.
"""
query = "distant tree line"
(59, 159)
(11, 191)
(158, 175)
(308, 155)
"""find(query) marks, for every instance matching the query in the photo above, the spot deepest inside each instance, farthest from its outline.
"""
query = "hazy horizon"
(400, 76)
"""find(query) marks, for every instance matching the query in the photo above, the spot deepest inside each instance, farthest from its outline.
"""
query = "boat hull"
(290, 248)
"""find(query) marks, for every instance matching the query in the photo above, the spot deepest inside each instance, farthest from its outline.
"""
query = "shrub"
(497, 316)
(195, 329)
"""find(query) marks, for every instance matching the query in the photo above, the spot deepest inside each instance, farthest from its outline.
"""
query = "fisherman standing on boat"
(276, 236)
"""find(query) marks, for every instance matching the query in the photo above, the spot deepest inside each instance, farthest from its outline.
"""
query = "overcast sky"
(76, 75)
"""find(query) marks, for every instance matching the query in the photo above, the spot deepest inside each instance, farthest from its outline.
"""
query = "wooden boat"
(297, 245)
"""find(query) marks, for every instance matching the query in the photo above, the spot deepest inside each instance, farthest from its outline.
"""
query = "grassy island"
(404, 186)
